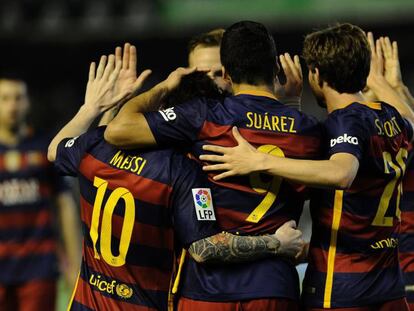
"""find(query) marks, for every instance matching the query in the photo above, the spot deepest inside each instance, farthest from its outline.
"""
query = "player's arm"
(70, 232)
(226, 247)
(337, 172)
(378, 83)
(130, 129)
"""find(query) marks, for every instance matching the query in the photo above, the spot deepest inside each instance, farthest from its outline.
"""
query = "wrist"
(89, 111)
(273, 244)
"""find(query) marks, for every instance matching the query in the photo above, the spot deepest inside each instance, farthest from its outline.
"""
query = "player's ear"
(225, 74)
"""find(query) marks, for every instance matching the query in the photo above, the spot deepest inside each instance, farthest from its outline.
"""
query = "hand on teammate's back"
(290, 238)
(294, 78)
(239, 160)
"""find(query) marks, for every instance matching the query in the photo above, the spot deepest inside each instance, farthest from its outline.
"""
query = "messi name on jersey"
(127, 162)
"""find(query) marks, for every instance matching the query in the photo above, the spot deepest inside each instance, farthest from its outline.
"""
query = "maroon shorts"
(30, 296)
(411, 306)
(392, 305)
(272, 304)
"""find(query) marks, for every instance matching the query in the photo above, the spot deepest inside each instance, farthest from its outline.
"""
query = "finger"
(187, 71)
(141, 79)
(395, 51)
(132, 58)
(224, 175)
(292, 66)
(125, 58)
(378, 48)
(118, 55)
(296, 59)
(371, 42)
(115, 73)
(285, 67)
(387, 47)
(291, 224)
(237, 136)
(215, 167)
(109, 67)
(92, 69)
(216, 149)
(211, 158)
(101, 67)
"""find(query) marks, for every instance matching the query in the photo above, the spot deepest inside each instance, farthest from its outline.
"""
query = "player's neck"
(245, 88)
(12, 135)
(335, 100)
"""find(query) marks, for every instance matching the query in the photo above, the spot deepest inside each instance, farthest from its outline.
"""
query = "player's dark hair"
(248, 53)
(195, 85)
(208, 39)
(342, 55)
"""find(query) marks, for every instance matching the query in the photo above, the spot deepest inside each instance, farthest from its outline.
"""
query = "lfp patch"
(203, 204)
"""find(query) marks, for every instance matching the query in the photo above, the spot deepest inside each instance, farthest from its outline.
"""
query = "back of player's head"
(342, 55)
(248, 53)
(208, 39)
(193, 86)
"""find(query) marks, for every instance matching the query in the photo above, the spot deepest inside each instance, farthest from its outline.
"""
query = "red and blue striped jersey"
(130, 202)
(256, 204)
(28, 185)
(353, 257)
(406, 240)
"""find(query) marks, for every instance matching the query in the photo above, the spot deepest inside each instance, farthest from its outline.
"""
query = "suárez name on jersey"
(344, 139)
(270, 122)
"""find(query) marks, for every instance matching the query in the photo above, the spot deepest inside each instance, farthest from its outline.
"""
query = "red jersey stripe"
(143, 188)
(143, 234)
(27, 248)
(25, 219)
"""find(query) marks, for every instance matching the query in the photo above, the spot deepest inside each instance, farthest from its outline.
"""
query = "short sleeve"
(179, 125)
(193, 202)
(70, 151)
(346, 132)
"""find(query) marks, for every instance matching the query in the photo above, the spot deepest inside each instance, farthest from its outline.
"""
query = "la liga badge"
(203, 204)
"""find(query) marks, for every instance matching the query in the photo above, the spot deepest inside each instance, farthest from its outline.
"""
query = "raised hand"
(290, 238)
(376, 72)
(294, 77)
(239, 160)
(127, 83)
(392, 68)
(100, 95)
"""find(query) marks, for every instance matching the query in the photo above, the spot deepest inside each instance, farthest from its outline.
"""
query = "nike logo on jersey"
(344, 139)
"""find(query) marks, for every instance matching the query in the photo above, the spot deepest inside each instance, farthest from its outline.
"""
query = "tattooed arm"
(226, 247)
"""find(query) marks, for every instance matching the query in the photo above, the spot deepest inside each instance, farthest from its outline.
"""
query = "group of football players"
(191, 191)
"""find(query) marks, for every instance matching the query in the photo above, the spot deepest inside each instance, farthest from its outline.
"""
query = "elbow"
(343, 181)
(51, 154)
(112, 135)
(197, 256)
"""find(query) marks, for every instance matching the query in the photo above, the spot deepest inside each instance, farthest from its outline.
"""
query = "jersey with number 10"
(256, 204)
(353, 257)
(130, 201)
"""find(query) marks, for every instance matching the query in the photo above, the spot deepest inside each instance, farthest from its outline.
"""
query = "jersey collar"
(372, 105)
(256, 93)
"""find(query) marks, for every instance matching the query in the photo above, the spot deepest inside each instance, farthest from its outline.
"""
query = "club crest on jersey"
(344, 139)
(168, 114)
(203, 204)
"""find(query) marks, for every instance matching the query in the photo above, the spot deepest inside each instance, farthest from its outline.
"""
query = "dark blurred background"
(50, 43)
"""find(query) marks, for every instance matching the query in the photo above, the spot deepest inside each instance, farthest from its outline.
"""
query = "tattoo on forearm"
(226, 247)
